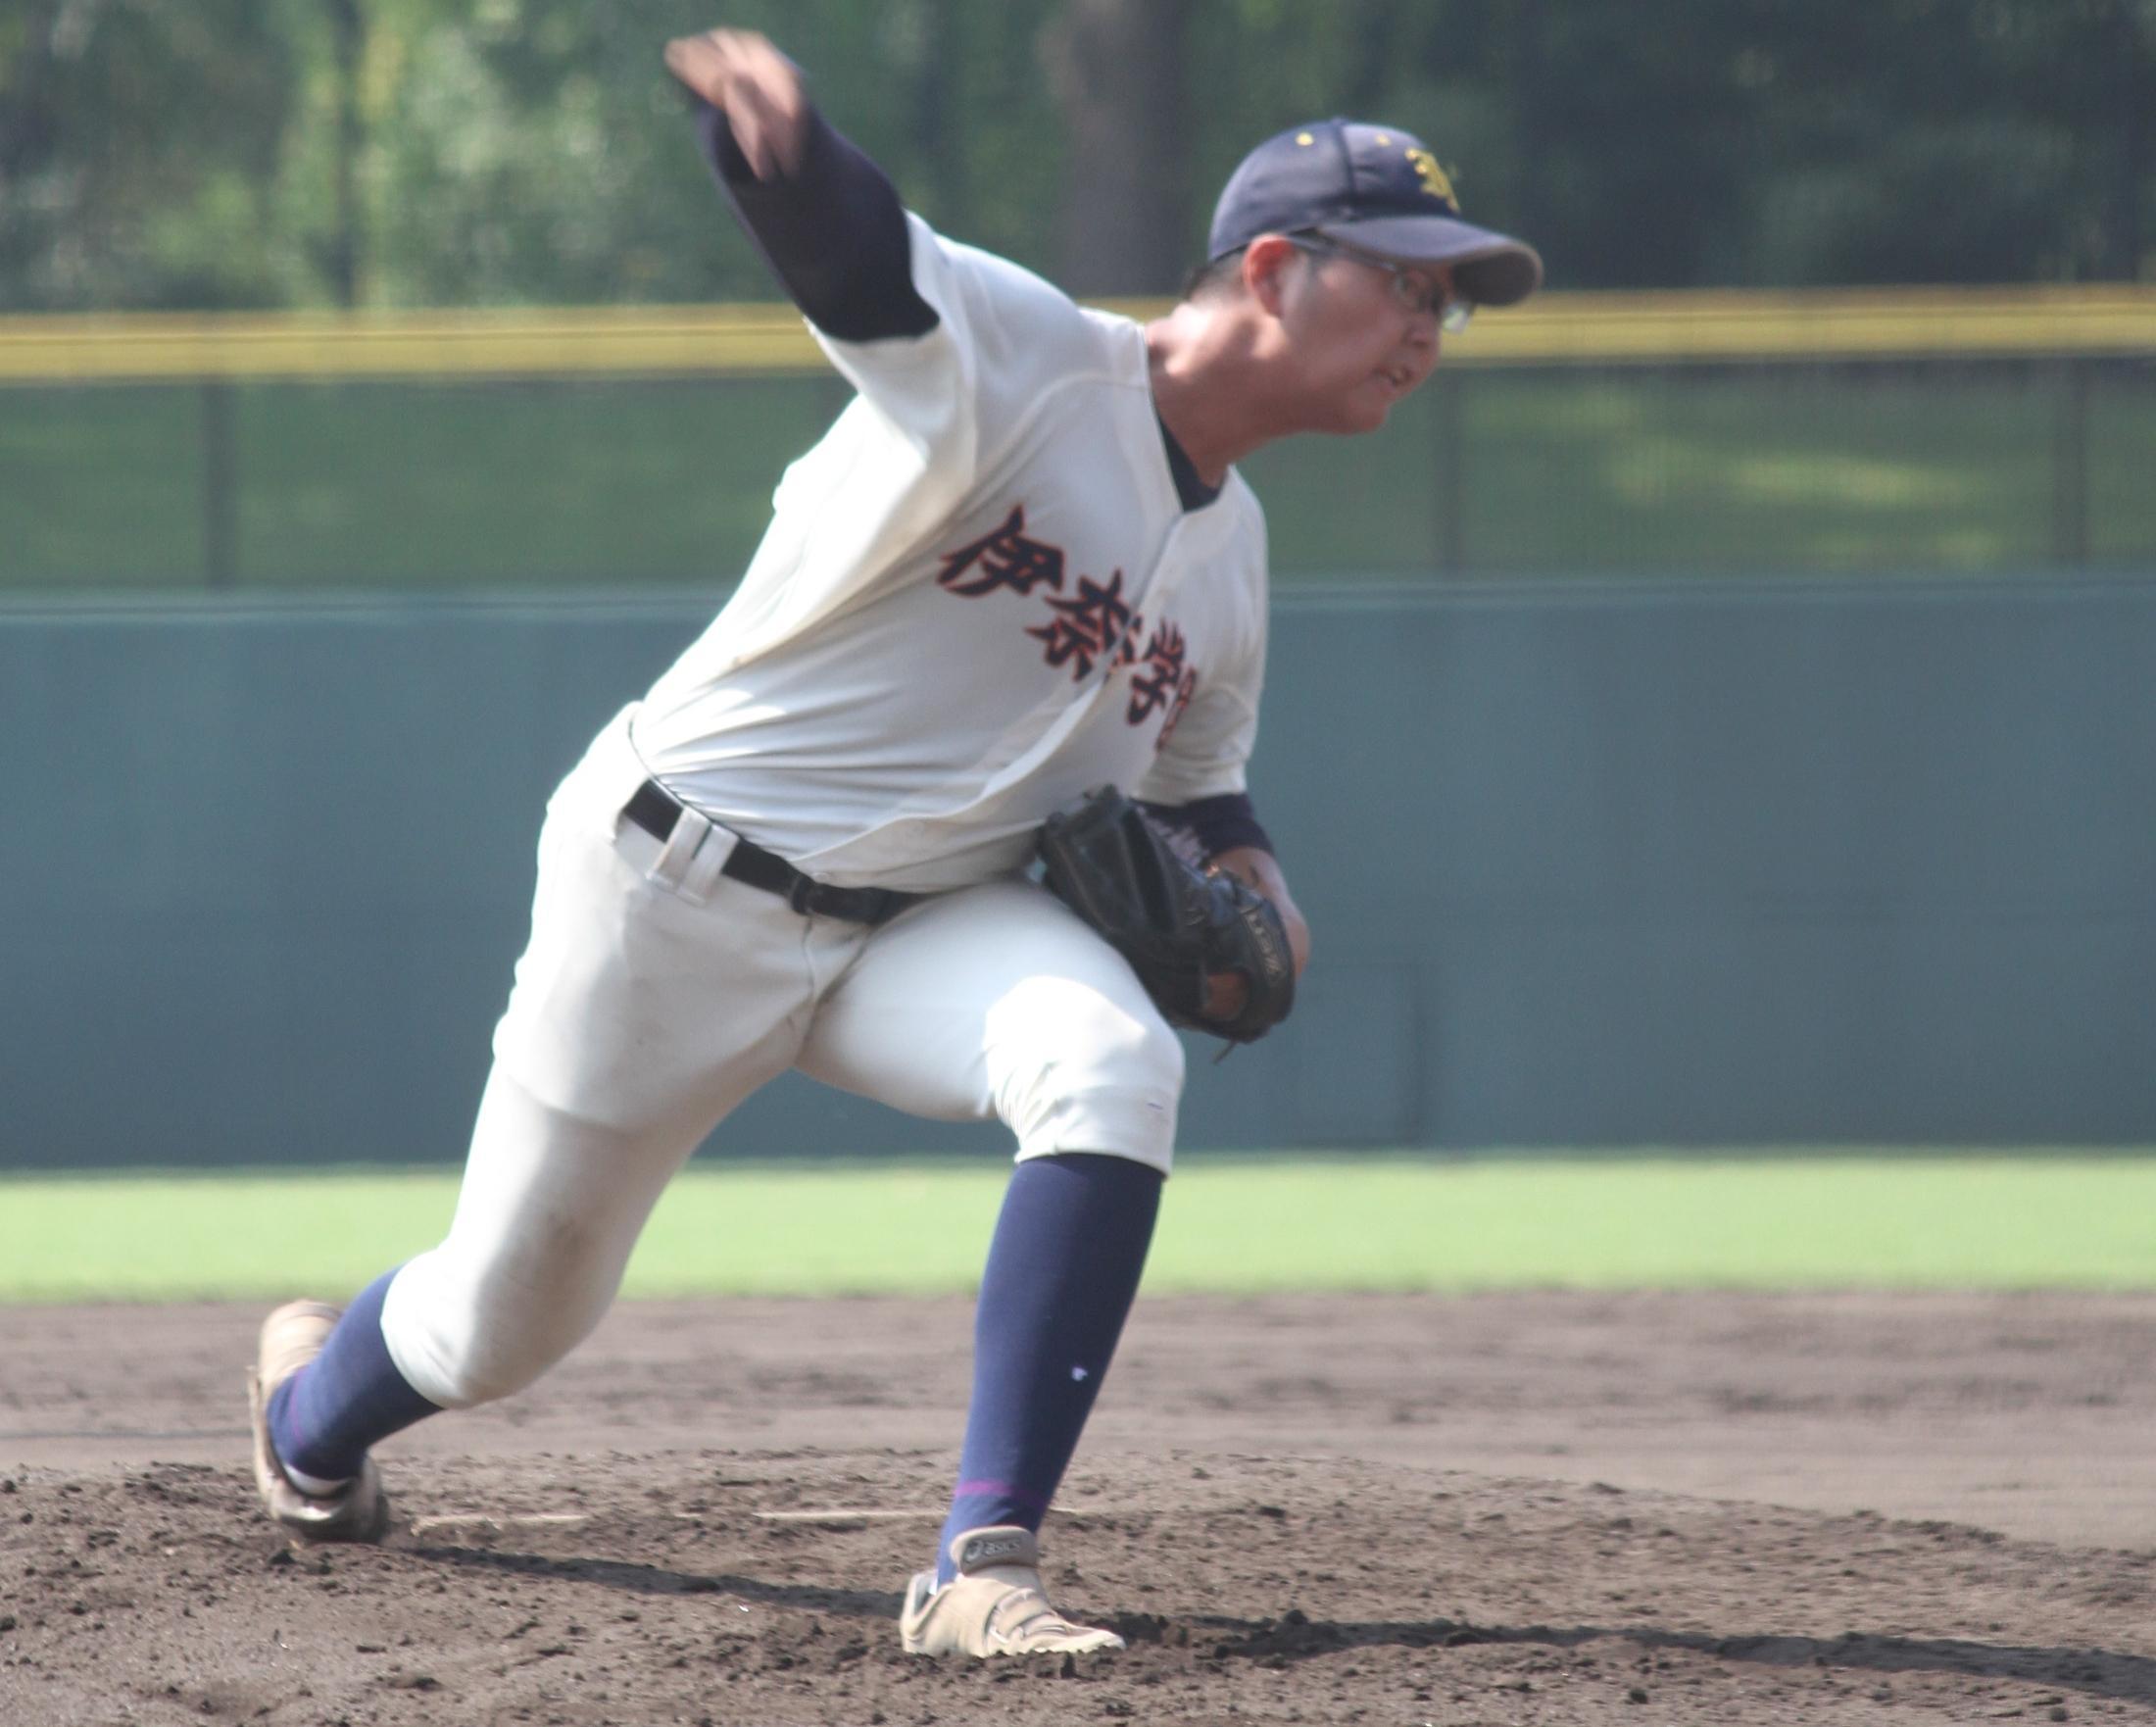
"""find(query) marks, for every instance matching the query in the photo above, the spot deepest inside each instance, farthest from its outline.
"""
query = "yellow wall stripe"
(1646, 328)
(1881, 324)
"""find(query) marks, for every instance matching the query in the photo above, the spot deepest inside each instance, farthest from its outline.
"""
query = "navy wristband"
(1213, 825)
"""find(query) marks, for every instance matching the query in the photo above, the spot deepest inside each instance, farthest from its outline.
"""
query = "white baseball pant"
(656, 993)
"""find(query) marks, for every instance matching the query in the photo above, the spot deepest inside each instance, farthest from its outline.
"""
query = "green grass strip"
(1396, 1223)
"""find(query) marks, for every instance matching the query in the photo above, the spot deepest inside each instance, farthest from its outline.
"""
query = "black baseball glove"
(1178, 926)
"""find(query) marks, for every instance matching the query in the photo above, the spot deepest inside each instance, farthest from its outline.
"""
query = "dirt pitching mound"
(547, 1567)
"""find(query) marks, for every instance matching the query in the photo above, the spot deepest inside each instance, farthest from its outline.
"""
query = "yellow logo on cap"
(1432, 177)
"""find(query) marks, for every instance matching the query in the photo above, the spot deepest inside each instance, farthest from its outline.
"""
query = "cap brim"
(1489, 269)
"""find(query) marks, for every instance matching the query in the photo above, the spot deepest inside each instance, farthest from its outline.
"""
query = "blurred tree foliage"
(258, 153)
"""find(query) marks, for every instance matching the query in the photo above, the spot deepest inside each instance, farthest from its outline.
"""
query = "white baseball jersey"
(979, 596)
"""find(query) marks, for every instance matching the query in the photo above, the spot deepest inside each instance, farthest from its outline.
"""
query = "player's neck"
(1212, 387)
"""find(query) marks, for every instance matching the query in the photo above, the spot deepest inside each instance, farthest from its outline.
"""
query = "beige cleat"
(291, 1337)
(995, 1605)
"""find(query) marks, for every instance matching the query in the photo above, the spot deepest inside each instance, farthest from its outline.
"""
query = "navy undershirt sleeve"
(834, 231)
(1213, 825)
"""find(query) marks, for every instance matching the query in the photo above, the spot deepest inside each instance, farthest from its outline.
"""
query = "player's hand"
(1261, 871)
(757, 89)
(1226, 992)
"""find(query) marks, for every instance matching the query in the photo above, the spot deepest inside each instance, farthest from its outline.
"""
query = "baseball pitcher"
(1011, 606)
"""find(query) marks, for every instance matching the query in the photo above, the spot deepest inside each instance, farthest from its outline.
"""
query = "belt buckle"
(800, 893)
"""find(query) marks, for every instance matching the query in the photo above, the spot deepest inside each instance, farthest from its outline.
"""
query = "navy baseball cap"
(1376, 187)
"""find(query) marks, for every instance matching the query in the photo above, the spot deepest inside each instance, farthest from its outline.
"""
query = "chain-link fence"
(1596, 454)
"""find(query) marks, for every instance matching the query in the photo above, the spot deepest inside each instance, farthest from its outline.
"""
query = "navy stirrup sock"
(1062, 1270)
(324, 1418)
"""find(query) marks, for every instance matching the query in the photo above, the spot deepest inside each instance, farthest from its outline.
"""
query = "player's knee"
(1077, 1072)
(463, 1337)
(483, 1372)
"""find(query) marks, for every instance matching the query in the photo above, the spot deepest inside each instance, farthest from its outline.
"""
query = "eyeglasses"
(1416, 292)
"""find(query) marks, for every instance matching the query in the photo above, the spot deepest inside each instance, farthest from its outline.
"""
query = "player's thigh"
(640, 1016)
(549, 1212)
(554, 1196)
(996, 1001)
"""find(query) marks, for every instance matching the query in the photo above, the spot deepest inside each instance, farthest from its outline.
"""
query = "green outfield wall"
(1860, 861)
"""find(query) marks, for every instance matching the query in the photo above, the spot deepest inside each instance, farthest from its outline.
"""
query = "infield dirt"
(1726, 1510)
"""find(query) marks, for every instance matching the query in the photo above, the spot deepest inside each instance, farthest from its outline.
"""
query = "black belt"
(655, 810)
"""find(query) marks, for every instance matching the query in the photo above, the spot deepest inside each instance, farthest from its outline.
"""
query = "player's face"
(1363, 332)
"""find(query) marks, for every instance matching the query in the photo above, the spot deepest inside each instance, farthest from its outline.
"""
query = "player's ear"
(1267, 263)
